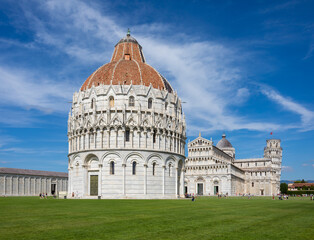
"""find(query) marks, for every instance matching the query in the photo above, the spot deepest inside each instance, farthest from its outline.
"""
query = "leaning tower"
(273, 151)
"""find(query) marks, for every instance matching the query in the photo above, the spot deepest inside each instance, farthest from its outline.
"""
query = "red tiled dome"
(127, 66)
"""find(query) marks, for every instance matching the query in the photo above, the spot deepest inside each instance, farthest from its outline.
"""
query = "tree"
(284, 188)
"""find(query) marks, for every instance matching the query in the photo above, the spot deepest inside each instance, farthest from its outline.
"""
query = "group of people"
(43, 195)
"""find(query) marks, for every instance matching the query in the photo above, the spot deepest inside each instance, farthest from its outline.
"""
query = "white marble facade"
(119, 125)
(211, 170)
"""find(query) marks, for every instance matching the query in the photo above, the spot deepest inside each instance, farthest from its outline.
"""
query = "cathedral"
(211, 170)
(127, 132)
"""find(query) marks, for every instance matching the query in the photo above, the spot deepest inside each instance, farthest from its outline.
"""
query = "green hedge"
(300, 192)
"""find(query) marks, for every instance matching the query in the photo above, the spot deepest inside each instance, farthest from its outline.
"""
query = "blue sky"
(242, 67)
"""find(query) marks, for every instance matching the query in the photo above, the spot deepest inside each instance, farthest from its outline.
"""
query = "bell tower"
(273, 151)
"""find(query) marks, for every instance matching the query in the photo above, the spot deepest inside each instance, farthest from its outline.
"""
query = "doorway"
(185, 190)
(216, 190)
(53, 189)
(262, 192)
(94, 185)
(200, 189)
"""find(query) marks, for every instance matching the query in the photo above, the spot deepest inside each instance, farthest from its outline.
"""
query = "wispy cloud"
(287, 169)
(308, 164)
(208, 75)
(280, 7)
(27, 90)
(307, 116)
(310, 52)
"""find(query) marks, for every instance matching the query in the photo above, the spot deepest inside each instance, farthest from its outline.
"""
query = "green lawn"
(206, 218)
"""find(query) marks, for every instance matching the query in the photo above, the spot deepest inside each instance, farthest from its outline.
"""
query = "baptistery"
(126, 131)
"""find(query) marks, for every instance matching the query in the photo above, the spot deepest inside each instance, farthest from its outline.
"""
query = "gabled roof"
(200, 141)
(19, 171)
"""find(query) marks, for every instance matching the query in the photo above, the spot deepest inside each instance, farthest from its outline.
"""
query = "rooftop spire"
(129, 32)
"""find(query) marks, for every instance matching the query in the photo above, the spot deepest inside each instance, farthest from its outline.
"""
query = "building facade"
(212, 170)
(22, 182)
(126, 131)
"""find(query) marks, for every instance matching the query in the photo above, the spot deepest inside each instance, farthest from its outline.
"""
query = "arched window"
(131, 101)
(252, 184)
(127, 135)
(111, 101)
(92, 103)
(112, 167)
(166, 105)
(134, 168)
(154, 168)
(150, 103)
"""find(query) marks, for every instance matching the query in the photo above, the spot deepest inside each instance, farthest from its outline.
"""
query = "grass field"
(206, 218)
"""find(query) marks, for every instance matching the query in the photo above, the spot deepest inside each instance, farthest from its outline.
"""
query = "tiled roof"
(224, 143)
(301, 184)
(19, 171)
(127, 66)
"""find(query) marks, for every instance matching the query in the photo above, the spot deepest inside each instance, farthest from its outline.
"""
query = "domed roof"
(127, 66)
(224, 143)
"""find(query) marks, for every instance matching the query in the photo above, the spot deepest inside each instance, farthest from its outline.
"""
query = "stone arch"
(90, 157)
(171, 159)
(154, 155)
(130, 155)
(109, 153)
(200, 179)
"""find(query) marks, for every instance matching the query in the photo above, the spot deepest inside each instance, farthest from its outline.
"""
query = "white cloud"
(287, 169)
(22, 88)
(207, 74)
(307, 116)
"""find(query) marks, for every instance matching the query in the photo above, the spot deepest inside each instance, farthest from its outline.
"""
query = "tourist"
(193, 198)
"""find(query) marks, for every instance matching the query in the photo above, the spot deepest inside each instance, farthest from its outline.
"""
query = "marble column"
(69, 144)
(108, 138)
(182, 182)
(85, 180)
(100, 180)
(95, 139)
(158, 139)
(152, 139)
(116, 139)
(131, 137)
(165, 141)
(145, 139)
(139, 138)
(163, 179)
(124, 138)
(177, 172)
(145, 179)
(102, 139)
(123, 167)
(88, 140)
